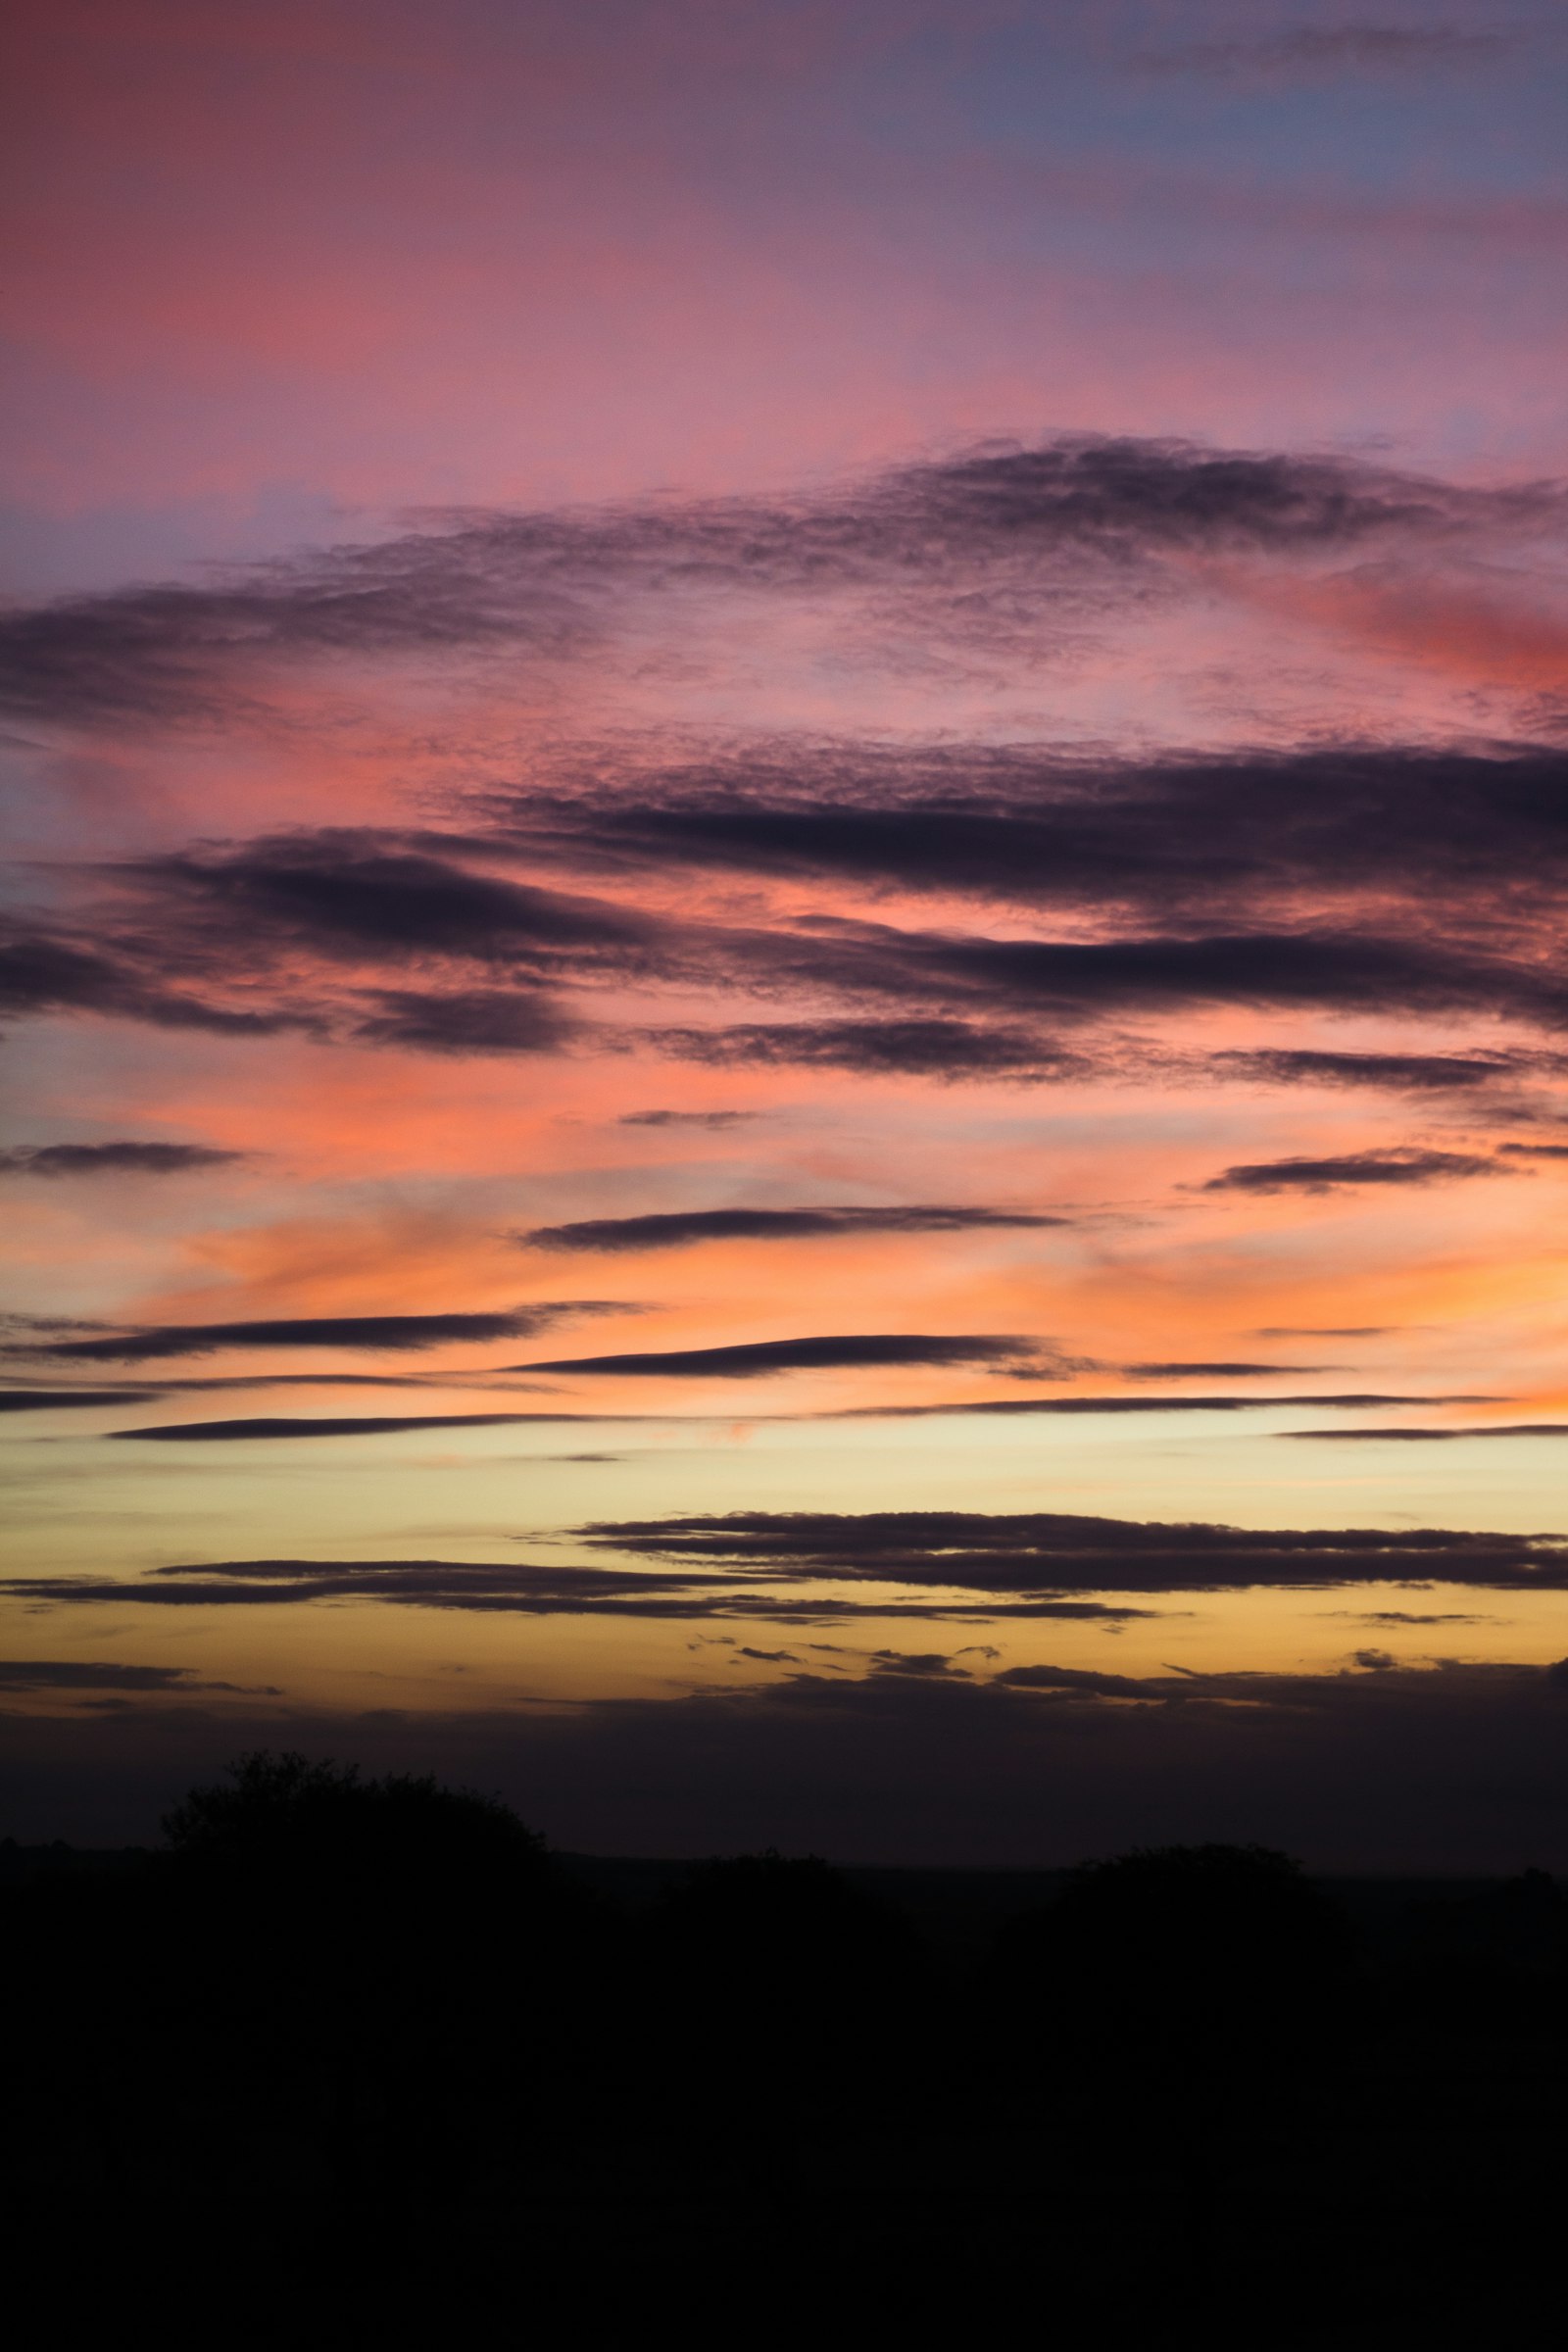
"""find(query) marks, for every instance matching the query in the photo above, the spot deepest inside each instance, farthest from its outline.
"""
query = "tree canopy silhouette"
(365, 2042)
(1212, 1935)
(328, 1920)
(284, 1817)
(785, 1925)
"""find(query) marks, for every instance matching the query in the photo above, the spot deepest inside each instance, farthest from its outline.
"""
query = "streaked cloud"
(1060, 1553)
(122, 1158)
(975, 545)
(759, 1359)
(1396, 1164)
(679, 1229)
(1309, 50)
(390, 1333)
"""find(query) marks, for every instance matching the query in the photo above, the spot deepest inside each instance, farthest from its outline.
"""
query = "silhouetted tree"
(1516, 1929)
(1178, 1937)
(282, 1820)
(772, 1923)
(787, 1986)
(347, 1893)
(389, 1967)
(1180, 1986)
(1208, 1932)
(364, 2047)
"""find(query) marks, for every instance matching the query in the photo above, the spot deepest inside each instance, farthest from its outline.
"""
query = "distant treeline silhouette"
(351, 2051)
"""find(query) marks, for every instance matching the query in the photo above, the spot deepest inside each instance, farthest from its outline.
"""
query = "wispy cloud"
(759, 1359)
(51, 1401)
(1406, 885)
(779, 1566)
(936, 1048)
(1058, 1553)
(1393, 1073)
(1370, 1400)
(1442, 1767)
(1440, 1435)
(972, 544)
(1191, 837)
(393, 1332)
(287, 1427)
(1310, 50)
(679, 1229)
(529, 1590)
(1399, 1164)
(718, 1120)
(113, 1159)
(95, 1675)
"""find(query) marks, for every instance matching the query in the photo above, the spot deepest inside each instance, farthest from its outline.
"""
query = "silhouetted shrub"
(318, 1883)
(284, 1827)
(776, 1924)
(1195, 1972)
(364, 2047)
(1518, 1929)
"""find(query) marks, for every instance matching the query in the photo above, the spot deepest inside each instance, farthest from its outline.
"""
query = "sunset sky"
(785, 1032)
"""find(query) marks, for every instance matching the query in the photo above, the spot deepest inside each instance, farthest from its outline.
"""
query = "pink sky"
(679, 611)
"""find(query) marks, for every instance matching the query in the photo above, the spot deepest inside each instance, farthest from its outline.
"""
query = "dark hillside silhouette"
(1211, 1927)
(400, 1865)
(285, 1813)
(783, 1928)
(1208, 1982)
(355, 2055)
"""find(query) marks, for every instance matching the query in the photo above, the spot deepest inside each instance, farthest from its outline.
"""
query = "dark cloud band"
(393, 1332)
(1439, 1437)
(680, 1229)
(1063, 1553)
(63, 1400)
(284, 1427)
(113, 1159)
(1449, 1769)
(779, 1565)
(758, 1359)
(1349, 1169)
(1064, 525)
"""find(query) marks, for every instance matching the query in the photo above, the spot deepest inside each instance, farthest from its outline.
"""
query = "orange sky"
(910, 621)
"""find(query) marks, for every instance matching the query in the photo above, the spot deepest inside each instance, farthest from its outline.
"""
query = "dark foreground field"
(346, 2060)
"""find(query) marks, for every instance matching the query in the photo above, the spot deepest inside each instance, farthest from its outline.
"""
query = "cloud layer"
(679, 1229)
(759, 1359)
(1397, 1165)
(990, 918)
(113, 1159)
(1057, 1552)
(1403, 885)
(980, 542)
(1451, 1769)
(390, 1334)
(809, 1566)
